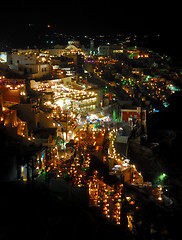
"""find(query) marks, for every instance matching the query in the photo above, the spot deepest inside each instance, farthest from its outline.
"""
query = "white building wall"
(23, 59)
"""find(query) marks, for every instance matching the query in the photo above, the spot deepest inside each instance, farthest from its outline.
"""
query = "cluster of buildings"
(42, 115)
(67, 94)
(53, 119)
(46, 105)
(37, 64)
(57, 105)
(23, 137)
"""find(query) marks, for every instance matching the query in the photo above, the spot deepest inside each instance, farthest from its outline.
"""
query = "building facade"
(28, 65)
(129, 115)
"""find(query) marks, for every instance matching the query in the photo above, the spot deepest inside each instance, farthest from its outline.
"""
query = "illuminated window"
(118, 51)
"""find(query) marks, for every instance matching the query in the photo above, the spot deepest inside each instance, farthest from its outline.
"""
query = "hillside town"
(77, 119)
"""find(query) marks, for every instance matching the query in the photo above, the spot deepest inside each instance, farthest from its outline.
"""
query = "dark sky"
(102, 16)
